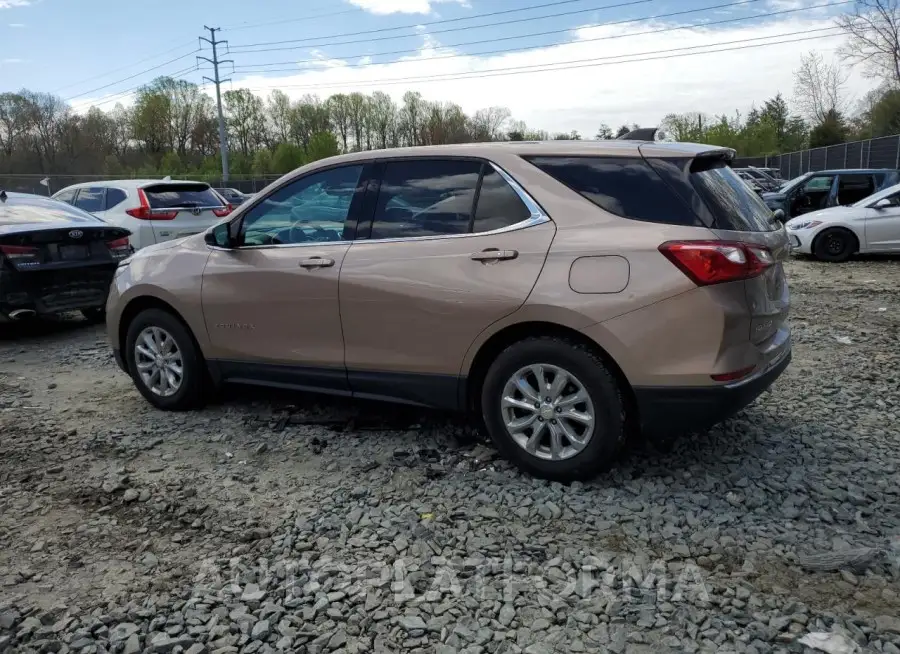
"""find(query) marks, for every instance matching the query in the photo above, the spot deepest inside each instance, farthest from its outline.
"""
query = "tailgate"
(180, 209)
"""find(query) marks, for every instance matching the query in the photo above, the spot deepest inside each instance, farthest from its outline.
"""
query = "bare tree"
(873, 31)
(819, 88)
(279, 112)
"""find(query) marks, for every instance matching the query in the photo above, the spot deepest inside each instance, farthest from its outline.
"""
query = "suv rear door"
(450, 245)
(178, 209)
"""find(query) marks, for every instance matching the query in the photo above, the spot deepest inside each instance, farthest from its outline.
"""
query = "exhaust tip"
(18, 314)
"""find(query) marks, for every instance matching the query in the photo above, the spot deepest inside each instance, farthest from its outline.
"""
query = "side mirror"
(883, 203)
(778, 215)
(218, 236)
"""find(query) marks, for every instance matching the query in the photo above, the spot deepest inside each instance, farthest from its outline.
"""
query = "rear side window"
(65, 196)
(173, 196)
(624, 186)
(426, 197)
(499, 205)
(91, 199)
(733, 205)
(114, 196)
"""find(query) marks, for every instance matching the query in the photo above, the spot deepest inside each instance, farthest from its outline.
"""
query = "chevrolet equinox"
(564, 293)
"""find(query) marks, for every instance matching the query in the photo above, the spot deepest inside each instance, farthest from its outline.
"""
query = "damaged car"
(55, 258)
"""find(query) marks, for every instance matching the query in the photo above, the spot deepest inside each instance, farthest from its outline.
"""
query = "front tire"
(552, 407)
(834, 245)
(164, 362)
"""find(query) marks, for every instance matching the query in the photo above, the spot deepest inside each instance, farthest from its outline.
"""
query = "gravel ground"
(301, 524)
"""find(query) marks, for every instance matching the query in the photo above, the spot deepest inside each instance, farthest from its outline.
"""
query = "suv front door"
(271, 302)
(451, 246)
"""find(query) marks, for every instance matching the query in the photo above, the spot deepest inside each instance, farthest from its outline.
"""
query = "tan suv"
(564, 293)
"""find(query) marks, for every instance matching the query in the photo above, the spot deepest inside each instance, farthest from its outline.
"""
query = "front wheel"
(834, 245)
(552, 407)
(164, 361)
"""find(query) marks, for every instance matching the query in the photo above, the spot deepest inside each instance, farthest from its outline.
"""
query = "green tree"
(322, 145)
(171, 164)
(262, 162)
(884, 116)
(831, 131)
(287, 157)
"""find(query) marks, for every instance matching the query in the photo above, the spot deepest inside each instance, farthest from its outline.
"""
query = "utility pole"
(215, 61)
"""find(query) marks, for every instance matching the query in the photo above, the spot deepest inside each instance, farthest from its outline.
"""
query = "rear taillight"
(144, 212)
(221, 213)
(120, 248)
(734, 375)
(717, 262)
(21, 254)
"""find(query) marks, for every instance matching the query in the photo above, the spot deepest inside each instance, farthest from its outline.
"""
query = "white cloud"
(13, 60)
(9, 4)
(384, 7)
(17, 24)
(581, 96)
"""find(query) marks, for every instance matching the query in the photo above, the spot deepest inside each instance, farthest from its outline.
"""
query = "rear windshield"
(732, 204)
(171, 196)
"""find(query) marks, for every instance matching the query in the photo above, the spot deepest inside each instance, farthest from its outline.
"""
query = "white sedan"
(871, 225)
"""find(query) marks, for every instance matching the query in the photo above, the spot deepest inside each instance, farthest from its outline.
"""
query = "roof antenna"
(167, 178)
(3, 195)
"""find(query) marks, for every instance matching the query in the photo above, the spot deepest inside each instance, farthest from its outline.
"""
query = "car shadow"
(38, 329)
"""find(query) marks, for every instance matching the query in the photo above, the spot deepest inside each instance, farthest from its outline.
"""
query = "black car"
(762, 179)
(232, 196)
(55, 258)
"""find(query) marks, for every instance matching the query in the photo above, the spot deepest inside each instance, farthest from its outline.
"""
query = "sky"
(558, 65)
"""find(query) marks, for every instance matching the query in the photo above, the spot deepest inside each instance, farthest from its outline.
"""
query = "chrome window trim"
(537, 217)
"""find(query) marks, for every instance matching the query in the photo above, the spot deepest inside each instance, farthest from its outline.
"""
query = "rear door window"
(177, 196)
(114, 196)
(498, 205)
(91, 199)
(426, 197)
(625, 186)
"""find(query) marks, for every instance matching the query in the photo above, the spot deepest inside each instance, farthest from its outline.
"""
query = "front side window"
(312, 209)
(819, 184)
(91, 199)
(426, 197)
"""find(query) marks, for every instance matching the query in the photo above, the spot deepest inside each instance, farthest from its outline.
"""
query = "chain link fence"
(32, 183)
(882, 152)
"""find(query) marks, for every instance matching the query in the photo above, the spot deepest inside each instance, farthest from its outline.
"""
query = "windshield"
(875, 197)
(790, 185)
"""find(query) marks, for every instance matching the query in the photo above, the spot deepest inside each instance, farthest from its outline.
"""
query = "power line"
(328, 42)
(131, 77)
(123, 94)
(570, 65)
(258, 68)
(292, 20)
(116, 70)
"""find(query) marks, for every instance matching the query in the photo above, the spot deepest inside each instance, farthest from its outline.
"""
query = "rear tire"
(164, 361)
(553, 445)
(94, 316)
(834, 245)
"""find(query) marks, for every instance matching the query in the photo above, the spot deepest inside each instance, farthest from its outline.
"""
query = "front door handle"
(493, 254)
(316, 262)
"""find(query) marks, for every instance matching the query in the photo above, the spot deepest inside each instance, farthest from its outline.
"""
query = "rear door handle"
(493, 254)
(316, 262)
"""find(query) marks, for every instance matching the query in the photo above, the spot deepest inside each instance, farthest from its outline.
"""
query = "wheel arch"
(142, 303)
(488, 351)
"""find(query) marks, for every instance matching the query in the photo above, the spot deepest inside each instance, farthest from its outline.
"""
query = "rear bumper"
(52, 292)
(680, 410)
